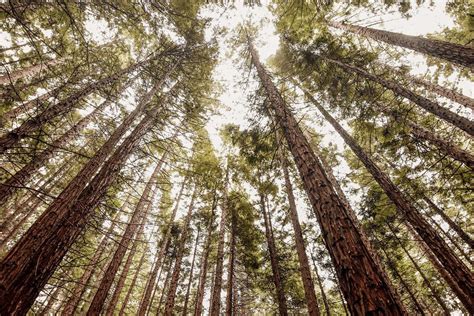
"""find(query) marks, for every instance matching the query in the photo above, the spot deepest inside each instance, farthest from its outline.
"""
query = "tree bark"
(21, 178)
(11, 78)
(305, 271)
(454, 53)
(204, 263)
(217, 287)
(165, 285)
(428, 105)
(321, 287)
(30, 263)
(353, 260)
(169, 306)
(160, 256)
(280, 292)
(136, 224)
(458, 271)
(81, 285)
(230, 270)
(191, 273)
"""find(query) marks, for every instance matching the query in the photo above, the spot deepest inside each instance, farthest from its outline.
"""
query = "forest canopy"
(252, 157)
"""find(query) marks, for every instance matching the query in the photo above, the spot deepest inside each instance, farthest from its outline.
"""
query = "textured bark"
(60, 108)
(191, 274)
(21, 178)
(442, 145)
(134, 228)
(428, 105)
(362, 281)
(277, 281)
(426, 281)
(169, 305)
(73, 302)
(229, 308)
(204, 263)
(455, 53)
(217, 287)
(305, 270)
(160, 256)
(30, 263)
(321, 287)
(458, 271)
(11, 78)
(405, 285)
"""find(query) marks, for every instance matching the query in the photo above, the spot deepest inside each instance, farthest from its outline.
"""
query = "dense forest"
(272, 157)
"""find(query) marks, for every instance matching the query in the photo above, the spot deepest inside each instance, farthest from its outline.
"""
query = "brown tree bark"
(60, 108)
(321, 287)
(191, 273)
(426, 281)
(458, 271)
(136, 224)
(305, 271)
(280, 292)
(428, 105)
(169, 305)
(21, 178)
(217, 287)
(204, 262)
(30, 263)
(454, 53)
(160, 256)
(11, 78)
(165, 284)
(352, 259)
(73, 302)
(229, 308)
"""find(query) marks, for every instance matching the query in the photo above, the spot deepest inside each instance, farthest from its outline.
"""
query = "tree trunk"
(305, 270)
(353, 260)
(81, 285)
(30, 263)
(191, 273)
(454, 53)
(62, 107)
(321, 287)
(169, 306)
(165, 285)
(204, 263)
(137, 223)
(230, 270)
(426, 281)
(280, 292)
(160, 256)
(405, 285)
(458, 271)
(21, 178)
(428, 105)
(217, 287)
(11, 78)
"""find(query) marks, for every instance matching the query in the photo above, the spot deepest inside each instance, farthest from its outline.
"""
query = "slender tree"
(191, 274)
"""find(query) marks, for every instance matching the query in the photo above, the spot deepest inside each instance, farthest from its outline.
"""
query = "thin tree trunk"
(30, 263)
(354, 262)
(229, 308)
(165, 285)
(169, 305)
(217, 287)
(191, 273)
(21, 178)
(428, 105)
(204, 262)
(62, 107)
(160, 256)
(81, 285)
(280, 292)
(11, 78)
(426, 281)
(321, 287)
(458, 271)
(136, 224)
(454, 53)
(305, 271)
